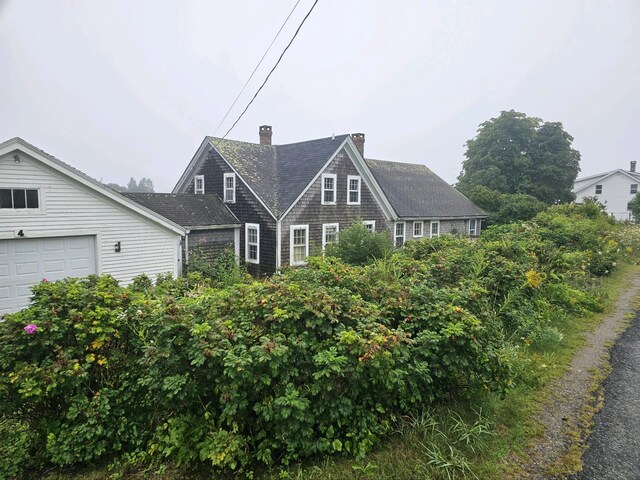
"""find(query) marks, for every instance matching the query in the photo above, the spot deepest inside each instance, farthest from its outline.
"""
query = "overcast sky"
(123, 88)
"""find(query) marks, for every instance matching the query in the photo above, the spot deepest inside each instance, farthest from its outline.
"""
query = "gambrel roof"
(414, 191)
(187, 209)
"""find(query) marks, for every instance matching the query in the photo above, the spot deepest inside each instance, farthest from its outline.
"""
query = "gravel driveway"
(614, 445)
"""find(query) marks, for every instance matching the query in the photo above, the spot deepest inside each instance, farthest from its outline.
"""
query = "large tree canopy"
(517, 154)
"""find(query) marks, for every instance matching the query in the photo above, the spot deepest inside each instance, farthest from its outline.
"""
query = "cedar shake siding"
(310, 211)
(208, 244)
(247, 208)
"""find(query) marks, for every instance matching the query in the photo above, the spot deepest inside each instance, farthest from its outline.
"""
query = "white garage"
(26, 262)
(57, 222)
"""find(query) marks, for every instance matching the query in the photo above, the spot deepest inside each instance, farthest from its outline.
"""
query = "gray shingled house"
(293, 199)
(210, 226)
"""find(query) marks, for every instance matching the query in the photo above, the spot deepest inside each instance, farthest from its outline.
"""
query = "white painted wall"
(616, 193)
(69, 208)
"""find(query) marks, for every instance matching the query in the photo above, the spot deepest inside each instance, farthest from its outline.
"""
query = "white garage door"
(25, 262)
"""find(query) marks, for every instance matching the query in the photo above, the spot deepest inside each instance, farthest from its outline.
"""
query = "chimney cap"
(265, 128)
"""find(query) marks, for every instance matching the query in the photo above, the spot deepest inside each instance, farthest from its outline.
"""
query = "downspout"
(186, 249)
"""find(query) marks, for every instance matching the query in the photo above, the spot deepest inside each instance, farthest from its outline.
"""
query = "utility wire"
(273, 69)
(256, 69)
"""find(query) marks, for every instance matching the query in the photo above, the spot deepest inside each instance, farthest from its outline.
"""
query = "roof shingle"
(278, 173)
(414, 191)
(187, 209)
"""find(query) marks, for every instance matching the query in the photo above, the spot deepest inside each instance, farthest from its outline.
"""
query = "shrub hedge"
(314, 361)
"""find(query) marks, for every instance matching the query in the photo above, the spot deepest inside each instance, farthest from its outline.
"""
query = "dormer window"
(353, 190)
(328, 189)
(230, 188)
(198, 184)
(18, 198)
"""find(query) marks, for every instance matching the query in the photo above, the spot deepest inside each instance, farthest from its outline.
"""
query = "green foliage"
(517, 154)
(357, 245)
(223, 270)
(634, 206)
(320, 360)
(503, 208)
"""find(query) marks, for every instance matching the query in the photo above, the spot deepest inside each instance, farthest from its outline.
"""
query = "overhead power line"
(273, 69)
(256, 69)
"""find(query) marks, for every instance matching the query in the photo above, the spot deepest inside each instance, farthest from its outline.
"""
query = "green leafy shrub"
(318, 360)
(357, 245)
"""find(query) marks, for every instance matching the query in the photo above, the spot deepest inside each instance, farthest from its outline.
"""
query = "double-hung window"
(370, 224)
(299, 244)
(229, 188)
(634, 188)
(353, 189)
(418, 228)
(252, 242)
(598, 189)
(18, 198)
(399, 234)
(435, 228)
(198, 184)
(328, 189)
(329, 233)
(473, 223)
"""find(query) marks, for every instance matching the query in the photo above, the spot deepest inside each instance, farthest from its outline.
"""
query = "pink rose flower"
(31, 328)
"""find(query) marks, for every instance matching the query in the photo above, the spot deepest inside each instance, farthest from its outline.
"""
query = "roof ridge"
(333, 137)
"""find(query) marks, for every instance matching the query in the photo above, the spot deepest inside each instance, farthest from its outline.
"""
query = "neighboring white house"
(57, 222)
(614, 189)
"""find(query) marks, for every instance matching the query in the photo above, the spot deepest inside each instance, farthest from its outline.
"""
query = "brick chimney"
(265, 134)
(632, 166)
(358, 139)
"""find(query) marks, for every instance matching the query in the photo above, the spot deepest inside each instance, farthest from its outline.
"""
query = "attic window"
(18, 198)
(634, 188)
(353, 190)
(230, 188)
(598, 189)
(198, 184)
(328, 189)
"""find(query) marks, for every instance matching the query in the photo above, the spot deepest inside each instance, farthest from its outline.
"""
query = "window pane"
(328, 183)
(253, 235)
(634, 188)
(417, 229)
(353, 197)
(330, 234)
(19, 198)
(5, 198)
(253, 252)
(399, 229)
(435, 228)
(328, 195)
(32, 198)
(298, 254)
(299, 237)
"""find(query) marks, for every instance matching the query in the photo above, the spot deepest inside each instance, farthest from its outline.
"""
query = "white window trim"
(596, 190)
(195, 184)
(335, 190)
(24, 211)
(292, 228)
(421, 223)
(436, 222)
(349, 178)
(370, 222)
(395, 233)
(475, 227)
(324, 232)
(224, 187)
(247, 226)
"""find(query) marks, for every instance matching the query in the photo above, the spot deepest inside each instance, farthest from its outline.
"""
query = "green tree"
(145, 185)
(634, 206)
(503, 208)
(517, 154)
(357, 245)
